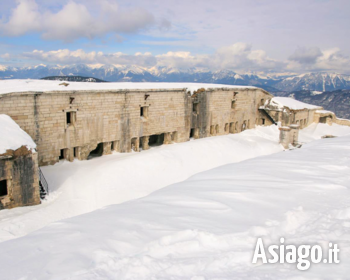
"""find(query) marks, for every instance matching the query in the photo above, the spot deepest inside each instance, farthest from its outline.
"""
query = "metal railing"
(44, 186)
(268, 115)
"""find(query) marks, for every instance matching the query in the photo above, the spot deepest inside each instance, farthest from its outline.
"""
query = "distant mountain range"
(112, 73)
(337, 101)
(73, 79)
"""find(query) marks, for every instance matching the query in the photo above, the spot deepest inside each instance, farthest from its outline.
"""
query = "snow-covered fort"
(85, 120)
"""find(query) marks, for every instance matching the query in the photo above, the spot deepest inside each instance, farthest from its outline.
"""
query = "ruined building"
(84, 120)
(19, 174)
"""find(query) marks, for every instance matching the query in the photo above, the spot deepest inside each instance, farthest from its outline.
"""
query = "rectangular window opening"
(144, 111)
(233, 104)
(70, 118)
(262, 121)
(192, 133)
(61, 154)
(3, 188)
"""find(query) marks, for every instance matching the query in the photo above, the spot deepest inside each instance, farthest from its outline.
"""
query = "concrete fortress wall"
(71, 124)
(19, 169)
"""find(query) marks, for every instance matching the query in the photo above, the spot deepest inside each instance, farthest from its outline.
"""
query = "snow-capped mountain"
(121, 73)
(315, 81)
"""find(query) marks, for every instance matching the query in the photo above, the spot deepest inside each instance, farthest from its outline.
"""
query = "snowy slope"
(12, 136)
(316, 131)
(205, 227)
(84, 186)
(9, 86)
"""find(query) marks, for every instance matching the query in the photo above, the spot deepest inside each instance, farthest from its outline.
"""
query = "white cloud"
(75, 20)
(66, 56)
(25, 17)
(314, 59)
(306, 56)
(240, 57)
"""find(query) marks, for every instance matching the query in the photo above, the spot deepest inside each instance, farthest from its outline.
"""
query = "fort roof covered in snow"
(292, 104)
(12, 136)
(12, 86)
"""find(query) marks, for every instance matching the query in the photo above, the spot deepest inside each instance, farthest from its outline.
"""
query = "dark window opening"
(262, 121)
(97, 152)
(192, 133)
(144, 111)
(156, 140)
(141, 111)
(61, 154)
(3, 187)
(69, 119)
(76, 152)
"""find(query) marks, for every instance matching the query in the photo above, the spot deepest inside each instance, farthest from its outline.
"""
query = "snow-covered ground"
(83, 186)
(202, 228)
(316, 131)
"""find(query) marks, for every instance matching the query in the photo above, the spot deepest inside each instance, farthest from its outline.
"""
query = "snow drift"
(83, 186)
(205, 227)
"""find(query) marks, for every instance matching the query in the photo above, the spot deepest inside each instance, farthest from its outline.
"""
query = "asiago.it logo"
(303, 255)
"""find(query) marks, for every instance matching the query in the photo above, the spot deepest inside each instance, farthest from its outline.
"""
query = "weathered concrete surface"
(20, 170)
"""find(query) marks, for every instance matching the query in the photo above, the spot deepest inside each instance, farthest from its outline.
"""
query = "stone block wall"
(20, 171)
(219, 112)
(72, 124)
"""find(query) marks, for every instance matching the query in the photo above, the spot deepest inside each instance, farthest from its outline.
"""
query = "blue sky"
(250, 35)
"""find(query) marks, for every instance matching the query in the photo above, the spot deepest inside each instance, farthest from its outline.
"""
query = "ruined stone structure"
(86, 123)
(328, 117)
(19, 171)
(294, 115)
(67, 123)
(19, 179)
